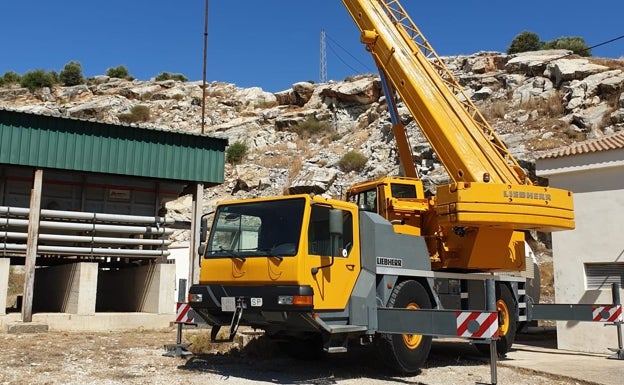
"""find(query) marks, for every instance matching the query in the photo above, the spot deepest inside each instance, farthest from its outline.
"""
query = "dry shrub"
(279, 161)
(494, 111)
(295, 166)
(551, 107)
(609, 63)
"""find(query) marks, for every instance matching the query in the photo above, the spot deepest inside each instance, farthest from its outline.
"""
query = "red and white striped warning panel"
(183, 313)
(472, 324)
(607, 313)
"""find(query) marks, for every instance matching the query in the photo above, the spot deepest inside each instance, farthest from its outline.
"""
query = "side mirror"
(335, 222)
(335, 230)
(203, 229)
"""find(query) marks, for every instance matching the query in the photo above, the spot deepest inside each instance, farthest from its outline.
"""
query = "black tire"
(507, 322)
(405, 353)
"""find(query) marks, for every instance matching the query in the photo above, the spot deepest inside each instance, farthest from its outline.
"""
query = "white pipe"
(88, 251)
(87, 239)
(100, 217)
(90, 227)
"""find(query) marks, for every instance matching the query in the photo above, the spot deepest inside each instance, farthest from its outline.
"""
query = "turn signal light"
(302, 300)
(297, 300)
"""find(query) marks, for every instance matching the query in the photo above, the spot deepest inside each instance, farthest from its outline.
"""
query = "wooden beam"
(198, 200)
(31, 246)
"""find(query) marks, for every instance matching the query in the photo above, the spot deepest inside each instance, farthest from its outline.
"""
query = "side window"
(403, 190)
(319, 240)
(367, 198)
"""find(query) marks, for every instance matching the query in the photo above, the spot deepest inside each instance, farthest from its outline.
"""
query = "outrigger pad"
(177, 350)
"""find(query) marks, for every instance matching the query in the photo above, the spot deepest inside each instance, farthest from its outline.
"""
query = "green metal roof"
(83, 145)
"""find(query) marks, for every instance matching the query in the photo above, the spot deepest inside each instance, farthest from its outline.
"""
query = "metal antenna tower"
(323, 70)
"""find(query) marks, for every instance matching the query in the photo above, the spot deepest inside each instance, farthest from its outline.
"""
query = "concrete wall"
(598, 187)
(5, 266)
(180, 255)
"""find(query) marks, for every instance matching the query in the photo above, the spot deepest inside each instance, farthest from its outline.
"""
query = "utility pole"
(323, 70)
(203, 105)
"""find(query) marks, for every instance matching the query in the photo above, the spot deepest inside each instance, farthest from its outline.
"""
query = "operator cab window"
(367, 198)
(403, 190)
(319, 240)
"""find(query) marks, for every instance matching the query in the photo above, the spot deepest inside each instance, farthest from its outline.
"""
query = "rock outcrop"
(535, 101)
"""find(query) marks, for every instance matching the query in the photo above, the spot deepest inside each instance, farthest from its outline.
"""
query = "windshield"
(268, 228)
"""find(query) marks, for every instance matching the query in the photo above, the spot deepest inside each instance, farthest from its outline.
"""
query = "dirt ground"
(137, 358)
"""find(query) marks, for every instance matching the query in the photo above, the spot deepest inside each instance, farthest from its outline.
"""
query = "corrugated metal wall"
(62, 143)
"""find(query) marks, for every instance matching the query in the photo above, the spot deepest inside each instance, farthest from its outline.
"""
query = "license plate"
(228, 304)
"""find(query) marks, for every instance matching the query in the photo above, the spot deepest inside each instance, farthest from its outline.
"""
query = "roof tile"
(606, 143)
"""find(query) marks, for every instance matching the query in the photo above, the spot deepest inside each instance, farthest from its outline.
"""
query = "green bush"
(523, 42)
(8, 78)
(572, 43)
(120, 72)
(310, 127)
(167, 76)
(352, 161)
(138, 113)
(38, 79)
(530, 41)
(71, 75)
(236, 152)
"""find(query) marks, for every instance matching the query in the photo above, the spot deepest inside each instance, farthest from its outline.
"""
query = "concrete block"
(26, 327)
(158, 295)
(5, 267)
(67, 288)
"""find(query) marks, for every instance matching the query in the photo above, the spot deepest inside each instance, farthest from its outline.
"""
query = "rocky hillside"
(295, 138)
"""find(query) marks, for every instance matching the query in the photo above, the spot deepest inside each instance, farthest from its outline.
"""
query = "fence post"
(490, 295)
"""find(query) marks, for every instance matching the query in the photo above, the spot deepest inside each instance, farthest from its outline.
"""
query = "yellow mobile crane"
(318, 274)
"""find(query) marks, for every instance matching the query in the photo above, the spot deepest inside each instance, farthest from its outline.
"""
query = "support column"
(159, 288)
(31, 245)
(82, 289)
(5, 268)
(196, 213)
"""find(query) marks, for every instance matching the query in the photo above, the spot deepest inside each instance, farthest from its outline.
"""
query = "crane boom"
(465, 143)
(490, 189)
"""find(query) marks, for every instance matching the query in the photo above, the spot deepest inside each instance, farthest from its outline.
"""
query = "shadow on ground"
(261, 360)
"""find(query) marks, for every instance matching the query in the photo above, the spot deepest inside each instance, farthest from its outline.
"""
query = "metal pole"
(619, 353)
(490, 294)
(181, 298)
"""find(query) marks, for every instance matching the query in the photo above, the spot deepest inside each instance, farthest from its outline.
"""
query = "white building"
(590, 258)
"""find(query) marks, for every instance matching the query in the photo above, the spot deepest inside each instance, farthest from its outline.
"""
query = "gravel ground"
(137, 358)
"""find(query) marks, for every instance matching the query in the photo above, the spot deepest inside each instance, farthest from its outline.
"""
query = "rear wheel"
(507, 323)
(406, 353)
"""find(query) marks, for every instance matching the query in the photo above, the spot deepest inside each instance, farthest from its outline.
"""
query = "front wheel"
(406, 353)
(507, 322)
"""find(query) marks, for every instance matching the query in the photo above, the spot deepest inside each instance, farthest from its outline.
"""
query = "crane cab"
(400, 200)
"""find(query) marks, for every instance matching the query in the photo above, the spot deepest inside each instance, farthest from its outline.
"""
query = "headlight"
(195, 297)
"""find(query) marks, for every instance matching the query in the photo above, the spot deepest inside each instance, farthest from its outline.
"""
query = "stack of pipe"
(81, 234)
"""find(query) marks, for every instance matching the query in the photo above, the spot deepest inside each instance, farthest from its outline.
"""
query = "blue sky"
(270, 43)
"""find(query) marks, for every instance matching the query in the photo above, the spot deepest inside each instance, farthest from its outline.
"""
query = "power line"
(342, 60)
(334, 42)
(587, 49)
(606, 42)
